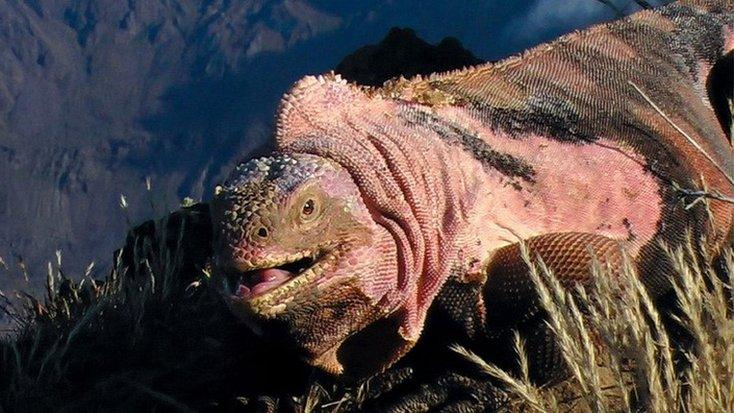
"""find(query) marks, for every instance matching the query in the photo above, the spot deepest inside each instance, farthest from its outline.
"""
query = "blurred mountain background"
(100, 97)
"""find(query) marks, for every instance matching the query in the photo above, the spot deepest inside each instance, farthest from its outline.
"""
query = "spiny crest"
(258, 170)
(282, 170)
(310, 98)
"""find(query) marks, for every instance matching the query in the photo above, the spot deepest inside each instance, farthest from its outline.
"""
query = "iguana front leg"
(483, 318)
(511, 302)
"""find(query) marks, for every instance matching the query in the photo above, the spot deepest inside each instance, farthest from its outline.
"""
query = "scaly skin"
(396, 192)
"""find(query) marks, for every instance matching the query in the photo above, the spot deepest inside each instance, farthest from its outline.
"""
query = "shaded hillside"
(97, 95)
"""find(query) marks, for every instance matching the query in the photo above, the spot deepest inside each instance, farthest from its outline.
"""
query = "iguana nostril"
(262, 232)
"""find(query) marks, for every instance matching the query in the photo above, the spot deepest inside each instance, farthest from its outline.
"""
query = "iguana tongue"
(266, 279)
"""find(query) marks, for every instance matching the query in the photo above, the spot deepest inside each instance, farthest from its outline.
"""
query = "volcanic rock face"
(401, 52)
(96, 95)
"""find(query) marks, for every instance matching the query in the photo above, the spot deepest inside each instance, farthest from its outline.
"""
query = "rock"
(401, 52)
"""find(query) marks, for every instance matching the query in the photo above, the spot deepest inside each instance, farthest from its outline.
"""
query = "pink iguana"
(383, 203)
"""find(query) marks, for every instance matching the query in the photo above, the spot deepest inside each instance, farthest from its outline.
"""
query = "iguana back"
(652, 87)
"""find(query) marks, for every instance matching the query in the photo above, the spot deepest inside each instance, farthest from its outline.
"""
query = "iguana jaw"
(265, 287)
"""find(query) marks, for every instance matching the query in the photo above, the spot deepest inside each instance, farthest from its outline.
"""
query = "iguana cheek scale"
(375, 198)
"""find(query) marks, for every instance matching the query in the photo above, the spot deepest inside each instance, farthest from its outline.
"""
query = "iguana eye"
(308, 208)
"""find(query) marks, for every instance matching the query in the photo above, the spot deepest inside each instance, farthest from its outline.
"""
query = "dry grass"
(620, 355)
(147, 338)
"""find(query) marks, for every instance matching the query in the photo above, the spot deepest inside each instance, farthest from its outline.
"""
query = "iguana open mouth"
(256, 282)
(264, 288)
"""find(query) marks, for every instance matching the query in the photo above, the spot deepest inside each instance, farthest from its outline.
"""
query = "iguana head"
(297, 252)
(341, 242)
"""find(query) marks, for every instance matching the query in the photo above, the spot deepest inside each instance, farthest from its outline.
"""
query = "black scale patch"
(509, 165)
